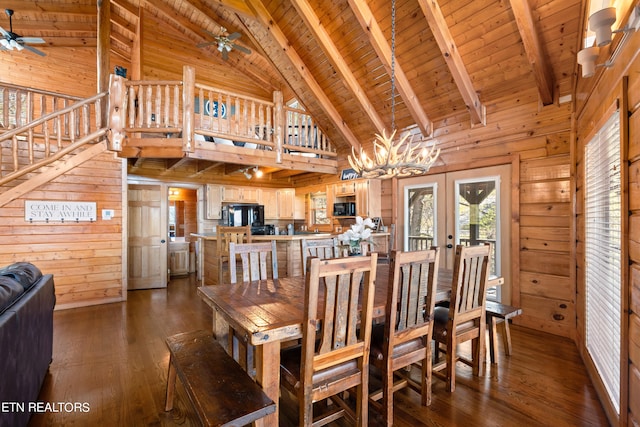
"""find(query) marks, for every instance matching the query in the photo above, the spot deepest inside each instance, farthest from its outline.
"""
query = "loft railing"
(194, 111)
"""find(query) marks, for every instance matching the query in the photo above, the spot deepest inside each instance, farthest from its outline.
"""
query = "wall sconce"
(600, 22)
(587, 58)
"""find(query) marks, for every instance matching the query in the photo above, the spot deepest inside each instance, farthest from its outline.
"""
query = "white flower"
(361, 230)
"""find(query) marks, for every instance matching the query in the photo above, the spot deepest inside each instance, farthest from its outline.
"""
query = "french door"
(468, 207)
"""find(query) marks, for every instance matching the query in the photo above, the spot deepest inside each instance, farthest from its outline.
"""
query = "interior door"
(147, 245)
(466, 207)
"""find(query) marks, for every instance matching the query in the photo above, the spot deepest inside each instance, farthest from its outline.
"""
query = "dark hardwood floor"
(113, 359)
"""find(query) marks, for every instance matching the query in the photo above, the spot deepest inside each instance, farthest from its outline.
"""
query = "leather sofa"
(27, 300)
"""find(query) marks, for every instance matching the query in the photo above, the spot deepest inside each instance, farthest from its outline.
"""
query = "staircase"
(38, 128)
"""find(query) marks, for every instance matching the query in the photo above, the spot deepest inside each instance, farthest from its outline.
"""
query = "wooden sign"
(348, 174)
(59, 210)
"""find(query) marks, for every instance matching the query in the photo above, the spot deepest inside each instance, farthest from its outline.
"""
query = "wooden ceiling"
(454, 58)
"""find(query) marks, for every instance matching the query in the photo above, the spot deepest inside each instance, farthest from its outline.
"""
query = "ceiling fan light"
(14, 44)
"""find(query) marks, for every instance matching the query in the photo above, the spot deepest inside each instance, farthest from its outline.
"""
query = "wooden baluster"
(72, 125)
(157, 108)
(218, 111)
(86, 119)
(66, 131)
(278, 124)
(30, 145)
(14, 147)
(148, 106)
(177, 108)
(18, 109)
(167, 105)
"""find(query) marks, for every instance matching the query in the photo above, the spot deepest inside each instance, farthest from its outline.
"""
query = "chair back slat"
(335, 285)
(320, 248)
(470, 274)
(255, 259)
(411, 290)
(226, 235)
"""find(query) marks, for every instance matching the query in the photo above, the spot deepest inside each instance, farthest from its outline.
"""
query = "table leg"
(493, 338)
(267, 358)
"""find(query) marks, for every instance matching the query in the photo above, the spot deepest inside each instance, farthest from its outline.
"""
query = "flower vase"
(355, 248)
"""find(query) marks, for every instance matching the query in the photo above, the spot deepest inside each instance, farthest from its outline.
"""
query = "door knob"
(449, 246)
(162, 241)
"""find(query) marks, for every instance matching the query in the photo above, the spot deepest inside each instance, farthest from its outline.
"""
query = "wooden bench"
(221, 392)
(496, 313)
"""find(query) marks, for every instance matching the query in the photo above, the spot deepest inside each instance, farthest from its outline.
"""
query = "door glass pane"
(477, 218)
(421, 224)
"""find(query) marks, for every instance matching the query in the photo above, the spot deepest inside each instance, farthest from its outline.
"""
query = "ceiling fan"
(225, 43)
(11, 40)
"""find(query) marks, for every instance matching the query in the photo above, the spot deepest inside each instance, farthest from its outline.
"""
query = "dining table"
(268, 313)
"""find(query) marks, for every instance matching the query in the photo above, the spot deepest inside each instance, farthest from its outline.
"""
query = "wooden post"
(188, 97)
(103, 51)
(117, 113)
(278, 123)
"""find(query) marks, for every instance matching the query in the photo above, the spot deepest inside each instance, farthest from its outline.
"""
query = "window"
(319, 209)
(603, 240)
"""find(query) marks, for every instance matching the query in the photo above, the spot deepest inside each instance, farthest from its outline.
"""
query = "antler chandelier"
(388, 160)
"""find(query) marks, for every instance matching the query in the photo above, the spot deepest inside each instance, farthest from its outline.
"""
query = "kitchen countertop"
(281, 237)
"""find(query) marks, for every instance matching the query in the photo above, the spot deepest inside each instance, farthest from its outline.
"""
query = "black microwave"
(344, 209)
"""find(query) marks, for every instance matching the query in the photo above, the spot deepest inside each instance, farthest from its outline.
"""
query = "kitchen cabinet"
(345, 188)
(286, 203)
(269, 198)
(178, 258)
(368, 198)
(213, 199)
(239, 194)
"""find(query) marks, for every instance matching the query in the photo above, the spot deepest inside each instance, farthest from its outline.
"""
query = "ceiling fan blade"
(205, 44)
(234, 36)
(34, 50)
(242, 49)
(225, 54)
(5, 32)
(31, 40)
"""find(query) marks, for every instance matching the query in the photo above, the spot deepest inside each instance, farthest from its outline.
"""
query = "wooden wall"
(617, 85)
(543, 281)
(85, 258)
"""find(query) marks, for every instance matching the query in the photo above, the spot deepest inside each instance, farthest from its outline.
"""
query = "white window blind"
(603, 216)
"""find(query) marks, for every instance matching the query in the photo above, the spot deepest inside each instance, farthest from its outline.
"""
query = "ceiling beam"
(124, 25)
(314, 25)
(449, 50)
(383, 50)
(267, 22)
(535, 52)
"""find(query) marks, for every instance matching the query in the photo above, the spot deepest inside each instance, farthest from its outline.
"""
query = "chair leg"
(427, 365)
(451, 363)
(387, 395)
(171, 386)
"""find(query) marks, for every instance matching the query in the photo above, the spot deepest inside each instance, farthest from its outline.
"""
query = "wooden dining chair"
(384, 258)
(320, 248)
(226, 235)
(259, 260)
(465, 318)
(405, 337)
(336, 333)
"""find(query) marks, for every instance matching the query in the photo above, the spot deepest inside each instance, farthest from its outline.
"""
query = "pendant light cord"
(393, 65)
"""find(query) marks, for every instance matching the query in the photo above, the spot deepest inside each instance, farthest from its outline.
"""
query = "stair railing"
(50, 137)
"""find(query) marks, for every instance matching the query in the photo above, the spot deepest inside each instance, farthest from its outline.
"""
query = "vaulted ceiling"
(454, 58)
